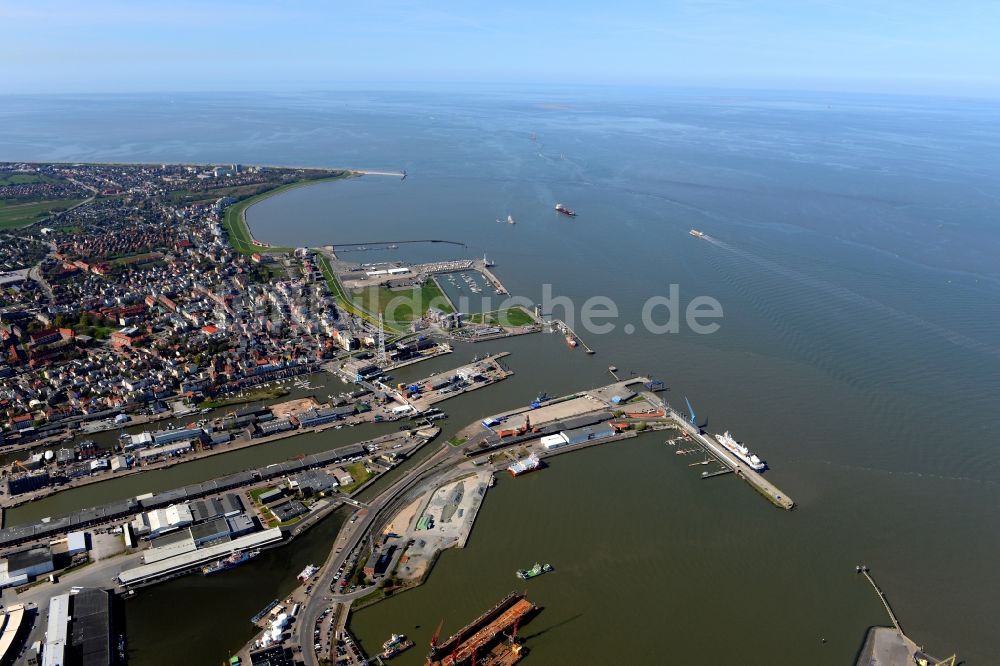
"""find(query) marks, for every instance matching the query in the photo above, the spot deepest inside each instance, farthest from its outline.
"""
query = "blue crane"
(693, 418)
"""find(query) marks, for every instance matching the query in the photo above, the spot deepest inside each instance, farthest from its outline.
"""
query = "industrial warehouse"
(82, 630)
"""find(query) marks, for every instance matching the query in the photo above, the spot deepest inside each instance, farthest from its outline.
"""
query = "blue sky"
(912, 46)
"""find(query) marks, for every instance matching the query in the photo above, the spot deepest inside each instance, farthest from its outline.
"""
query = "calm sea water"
(853, 253)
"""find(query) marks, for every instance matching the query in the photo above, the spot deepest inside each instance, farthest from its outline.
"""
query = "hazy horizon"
(919, 48)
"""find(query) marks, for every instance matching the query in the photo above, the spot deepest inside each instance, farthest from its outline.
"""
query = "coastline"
(234, 218)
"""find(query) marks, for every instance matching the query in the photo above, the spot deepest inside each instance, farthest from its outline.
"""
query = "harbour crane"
(434, 636)
(693, 418)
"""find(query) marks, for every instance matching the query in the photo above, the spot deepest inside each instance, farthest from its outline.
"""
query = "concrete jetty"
(777, 497)
(558, 323)
(373, 172)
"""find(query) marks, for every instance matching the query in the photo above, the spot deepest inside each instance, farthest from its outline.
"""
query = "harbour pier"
(481, 266)
(777, 496)
(563, 326)
(456, 381)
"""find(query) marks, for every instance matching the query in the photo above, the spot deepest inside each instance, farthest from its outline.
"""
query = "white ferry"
(741, 452)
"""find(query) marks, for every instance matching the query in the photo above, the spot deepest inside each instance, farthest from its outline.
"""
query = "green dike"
(345, 303)
(235, 223)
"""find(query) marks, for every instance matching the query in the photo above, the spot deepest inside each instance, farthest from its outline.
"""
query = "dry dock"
(483, 634)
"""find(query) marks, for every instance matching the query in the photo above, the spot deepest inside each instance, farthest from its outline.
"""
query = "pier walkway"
(885, 602)
(889, 646)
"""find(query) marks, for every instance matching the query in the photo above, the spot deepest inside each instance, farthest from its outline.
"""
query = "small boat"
(396, 644)
(571, 341)
(510, 220)
(564, 210)
(696, 233)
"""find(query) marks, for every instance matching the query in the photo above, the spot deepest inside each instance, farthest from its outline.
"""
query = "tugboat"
(537, 570)
(564, 210)
(396, 644)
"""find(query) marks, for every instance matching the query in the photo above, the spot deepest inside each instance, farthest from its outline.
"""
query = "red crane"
(437, 632)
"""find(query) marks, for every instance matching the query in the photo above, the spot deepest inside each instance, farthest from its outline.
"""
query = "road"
(351, 537)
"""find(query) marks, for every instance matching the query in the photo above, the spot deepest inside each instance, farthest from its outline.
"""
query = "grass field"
(512, 317)
(356, 470)
(27, 179)
(234, 219)
(14, 215)
(402, 305)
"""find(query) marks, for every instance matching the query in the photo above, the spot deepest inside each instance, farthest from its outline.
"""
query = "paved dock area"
(458, 381)
(884, 646)
(549, 412)
(445, 520)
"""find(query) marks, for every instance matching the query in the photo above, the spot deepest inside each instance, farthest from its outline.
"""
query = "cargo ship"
(231, 562)
(696, 233)
(571, 341)
(537, 570)
(397, 643)
(741, 452)
(529, 464)
(565, 211)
